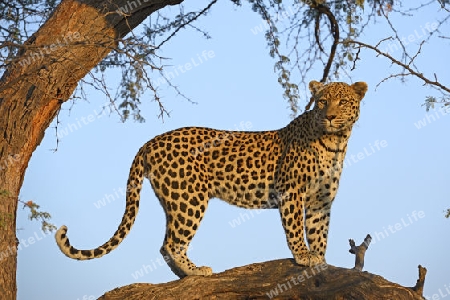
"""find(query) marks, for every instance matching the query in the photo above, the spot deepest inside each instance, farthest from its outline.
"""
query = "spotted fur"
(295, 169)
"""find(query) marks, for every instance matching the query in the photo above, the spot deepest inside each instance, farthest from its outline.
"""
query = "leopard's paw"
(309, 259)
(201, 271)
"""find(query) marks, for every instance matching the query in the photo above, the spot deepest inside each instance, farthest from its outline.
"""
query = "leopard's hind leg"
(182, 221)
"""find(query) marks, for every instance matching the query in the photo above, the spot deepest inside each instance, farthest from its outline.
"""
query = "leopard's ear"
(360, 88)
(315, 86)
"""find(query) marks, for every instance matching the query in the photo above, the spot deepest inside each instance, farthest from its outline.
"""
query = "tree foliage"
(36, 214)
(301, 36)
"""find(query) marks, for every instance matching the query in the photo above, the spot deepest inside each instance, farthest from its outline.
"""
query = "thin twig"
(403, 65)
(202, 12)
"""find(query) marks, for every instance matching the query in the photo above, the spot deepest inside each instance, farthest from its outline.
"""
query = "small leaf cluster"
(431, 101)
(35, 214)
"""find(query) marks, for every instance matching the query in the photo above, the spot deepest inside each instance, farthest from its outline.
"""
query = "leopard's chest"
(312, 168)
(324, 182)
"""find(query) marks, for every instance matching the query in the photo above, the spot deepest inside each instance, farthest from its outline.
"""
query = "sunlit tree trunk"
(77, 36)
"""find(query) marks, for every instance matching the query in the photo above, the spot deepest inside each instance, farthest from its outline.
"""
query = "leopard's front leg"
(291, 207)
(317, 223)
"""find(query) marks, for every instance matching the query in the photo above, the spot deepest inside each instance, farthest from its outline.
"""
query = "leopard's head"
(336, 104)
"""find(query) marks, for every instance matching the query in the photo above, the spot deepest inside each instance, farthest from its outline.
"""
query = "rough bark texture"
(279, 279)
(77, 36)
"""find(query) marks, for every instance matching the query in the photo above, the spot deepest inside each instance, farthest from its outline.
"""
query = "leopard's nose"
(331, 117)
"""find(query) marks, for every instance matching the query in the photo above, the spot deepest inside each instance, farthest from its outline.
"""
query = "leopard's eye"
(343, 102)
(323, 102)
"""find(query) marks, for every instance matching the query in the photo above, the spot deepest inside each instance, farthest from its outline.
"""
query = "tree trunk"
(279, 279)
(76, 37)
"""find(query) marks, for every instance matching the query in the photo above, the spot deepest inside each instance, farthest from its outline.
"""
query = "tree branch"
(412, 72)
(322, 9)
(421, 281)
(279, 279)
(189, 21)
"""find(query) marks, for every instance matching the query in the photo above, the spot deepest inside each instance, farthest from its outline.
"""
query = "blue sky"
(396, 191)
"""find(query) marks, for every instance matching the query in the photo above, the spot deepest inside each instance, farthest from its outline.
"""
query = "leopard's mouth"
(334, 125)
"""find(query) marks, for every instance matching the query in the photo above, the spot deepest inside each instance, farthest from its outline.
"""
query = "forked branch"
(359, 251)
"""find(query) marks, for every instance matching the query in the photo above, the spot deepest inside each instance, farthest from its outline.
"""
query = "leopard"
(295, 169)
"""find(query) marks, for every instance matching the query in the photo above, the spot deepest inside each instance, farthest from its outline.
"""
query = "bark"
(76, 37)
(279, 279)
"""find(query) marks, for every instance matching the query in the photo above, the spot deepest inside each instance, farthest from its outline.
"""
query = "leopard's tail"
(134, 185)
